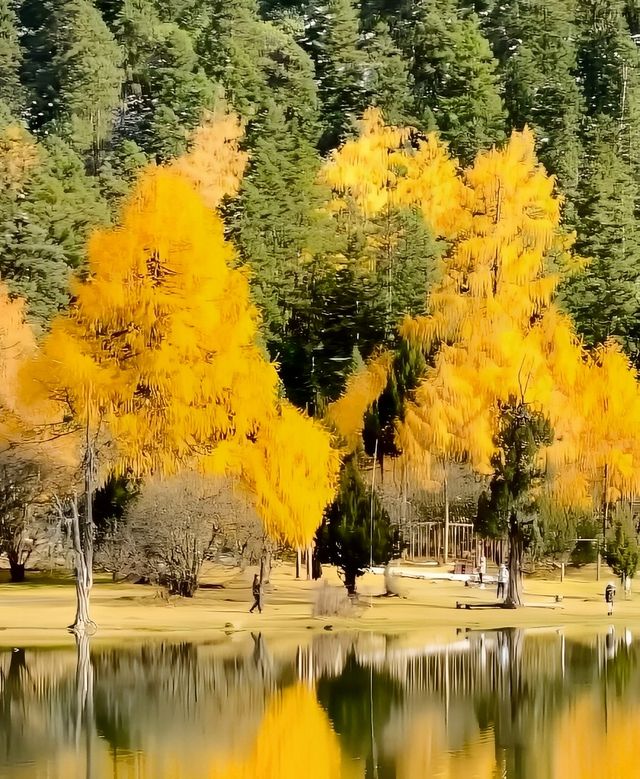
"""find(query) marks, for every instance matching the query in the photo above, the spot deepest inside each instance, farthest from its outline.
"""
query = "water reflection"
(498, 705)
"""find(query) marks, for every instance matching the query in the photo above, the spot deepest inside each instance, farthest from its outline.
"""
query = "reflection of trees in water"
(12, 683)
(180, 698)
(294, 739)
(506, 685)
(398, 712)
(180, 693)
(358, 703)
(44, 705)
(83, 726)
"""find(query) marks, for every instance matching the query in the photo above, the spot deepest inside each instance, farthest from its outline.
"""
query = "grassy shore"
(37, 611)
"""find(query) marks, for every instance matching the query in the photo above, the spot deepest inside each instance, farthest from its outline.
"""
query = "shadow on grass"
(36, 579)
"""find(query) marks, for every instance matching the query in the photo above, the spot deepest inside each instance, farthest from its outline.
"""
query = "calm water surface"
(507, 704)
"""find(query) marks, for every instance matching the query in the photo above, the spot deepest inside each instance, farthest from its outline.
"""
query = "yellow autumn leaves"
(492, 329)
(160, 344)
(159, 348)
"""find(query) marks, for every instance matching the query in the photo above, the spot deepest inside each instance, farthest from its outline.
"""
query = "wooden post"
(373, 482)
(446, 519)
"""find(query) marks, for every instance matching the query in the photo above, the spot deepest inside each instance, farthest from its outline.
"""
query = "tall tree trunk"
(16, 569)
(265, 567)
(82, 538)
(350, 582)
(516, 552)
(446, 518)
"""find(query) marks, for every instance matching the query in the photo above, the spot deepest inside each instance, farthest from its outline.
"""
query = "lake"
(509, 704)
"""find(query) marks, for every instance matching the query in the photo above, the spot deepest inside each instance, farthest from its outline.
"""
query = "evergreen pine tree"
(622, 547)
(452, 70)
(604, 299)
(508, 508)
(74, 72)
(276, 220)
(609, 71)
(47, 213)
(333, 40)
(536, 44)
(167, 89)
(232, 47)
(10, 57)
(88, 67)
(386, 76)
(357, 530)
(607, 59)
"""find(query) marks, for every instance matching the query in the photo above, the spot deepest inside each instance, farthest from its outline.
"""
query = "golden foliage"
(214, 164)
(160, 344)
(609, 404)
(487, 315)
(498, 334)
(20, 444)
(17, 344)
(295, 738)
(291, 470)
(492, 324)
(381, 170)
(363, 388)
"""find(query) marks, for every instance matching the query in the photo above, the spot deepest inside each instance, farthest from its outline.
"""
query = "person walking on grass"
(482, 571)
(609, 595)
(503, 578)
(256, 589)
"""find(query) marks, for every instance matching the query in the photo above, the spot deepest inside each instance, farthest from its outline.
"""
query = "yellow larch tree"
(487, 322)
(386, 167)
(159, 350)
(494, 338)
(214, 163)
(497, 340)
(17, 345)
(363, 388)
(610, 407)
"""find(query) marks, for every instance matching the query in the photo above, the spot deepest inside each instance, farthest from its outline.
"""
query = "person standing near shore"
(256, 589)
(503, 578)
(482, 570)
(609, 595)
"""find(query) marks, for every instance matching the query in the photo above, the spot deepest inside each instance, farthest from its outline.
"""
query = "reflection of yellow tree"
(589, 747)
(295, 739)
(425, 753)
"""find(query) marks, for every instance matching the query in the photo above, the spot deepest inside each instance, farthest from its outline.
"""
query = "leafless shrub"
(28, 530)
(174, 526)
(332, 602)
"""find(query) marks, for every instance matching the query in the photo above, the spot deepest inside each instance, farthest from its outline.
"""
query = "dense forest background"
(104, 87)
